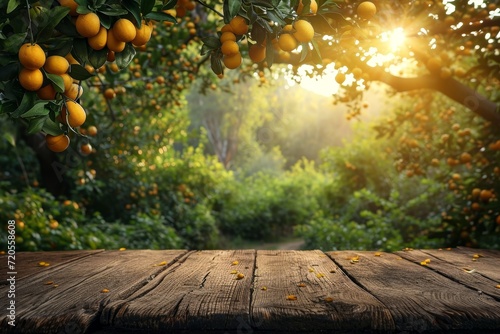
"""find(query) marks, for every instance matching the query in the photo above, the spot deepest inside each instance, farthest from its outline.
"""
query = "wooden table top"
(249, 291)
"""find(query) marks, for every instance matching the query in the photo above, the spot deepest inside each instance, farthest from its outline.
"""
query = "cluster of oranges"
(301, 31)
(33, 59)
(229, 47)
(98, 37)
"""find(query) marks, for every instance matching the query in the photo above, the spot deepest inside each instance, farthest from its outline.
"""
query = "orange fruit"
(92, 131)
(366, 10)
(313, 8)
(340, 78)
(227, 36)
(73, 113)
(287, 42)
(485, 195)
(88, 25)
(113, 44)
(124, 30)
(71, 4)
(238, 25)
(86, 148)
(230, 48)
(56, 65)
(98, 42)
(31, 80)
(31, 56)
(74, 92)
(257, 53)
(498, 220)
(434, 64)
(57, 143)
(71, 60)
(68, 81)
(304, 31)
(232, 61)
(46, 92)
(226, 28)
(109, 93)
(143, 34)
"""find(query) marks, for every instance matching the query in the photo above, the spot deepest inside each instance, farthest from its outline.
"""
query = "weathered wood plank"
(473, 269)
(27, 262)
(73, 300)
(326, 299)
(201, 292)
(419, 298)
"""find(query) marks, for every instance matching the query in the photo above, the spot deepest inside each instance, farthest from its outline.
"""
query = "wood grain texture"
(419, 298)
(475, 269)
(27, 262)
(73, 300)
(200, 292)
(326, 298)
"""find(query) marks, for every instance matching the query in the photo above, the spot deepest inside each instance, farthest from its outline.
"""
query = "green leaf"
(10, 137)
(211, 42)
(9, 71)
(231, 9)
(8, 107)
(97, 58)
(66, 27)
(83, 10)
(316, 55)
(216, 65)
(133, 7)
(169, 5)
(147, 6)
(12, 5)
(56, 14)
(79, 72)
(80, 51)
(37, 110)
(52, 128)
(161, 16)
(57, 82)
(113, 10)
(269, 53)
(123, 59)
(36, 124)
(106, 20)
(83, 3)
(13, 43)
(26, 103)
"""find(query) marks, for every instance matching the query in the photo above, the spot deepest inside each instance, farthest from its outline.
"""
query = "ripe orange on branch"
(73, 113)
(238, 25)
(31, 56)
(98, 42)
(124, 30)
(31, 80)
(287, 42)
(232, 61)
(88, 25)
(57, 143)
(304, 31)
(366, 10)
(56, 65)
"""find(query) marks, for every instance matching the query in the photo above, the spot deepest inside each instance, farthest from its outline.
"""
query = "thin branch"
(209, 7)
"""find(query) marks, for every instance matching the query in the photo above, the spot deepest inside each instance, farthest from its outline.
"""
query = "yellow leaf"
(104, 290)
(377, 254)
(311, 270)
(301, 285)
(235, 263)
(320, 275)
(234, 272)
(122, 249)
(49, 283)
(291, 297)
(328, 299)
(240, 276)
(264, 288)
